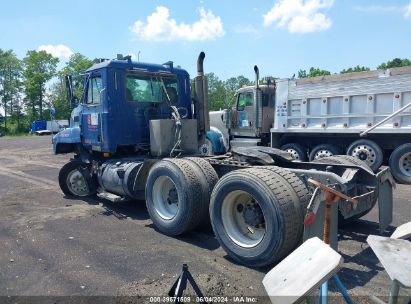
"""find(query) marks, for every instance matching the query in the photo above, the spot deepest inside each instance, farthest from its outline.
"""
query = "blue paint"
(217, 141)
(67, 136)
(38, 125)
(342, 289)
(324, 293)
(116, 122)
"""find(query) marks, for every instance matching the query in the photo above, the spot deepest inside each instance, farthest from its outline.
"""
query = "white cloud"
(160, 27)
(60, 51)
(408, 11)
(299, 16)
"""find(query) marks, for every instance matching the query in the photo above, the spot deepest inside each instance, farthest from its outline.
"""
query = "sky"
(280, 36)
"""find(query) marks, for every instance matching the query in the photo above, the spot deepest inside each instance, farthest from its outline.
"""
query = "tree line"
(31, 86)
(25, 94)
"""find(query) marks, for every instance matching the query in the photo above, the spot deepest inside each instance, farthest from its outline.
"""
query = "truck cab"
(249, 122)
(120, 98)
(252, 117)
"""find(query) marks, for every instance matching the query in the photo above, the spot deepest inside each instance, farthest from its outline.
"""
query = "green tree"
(77, 64)
(10, 83)
(395, 63)
(313, 72)
(355, 69)
(40, 67)
(302, 74)
(217, 94)
(231, 85)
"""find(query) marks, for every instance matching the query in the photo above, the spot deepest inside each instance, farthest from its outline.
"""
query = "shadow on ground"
(368, 264)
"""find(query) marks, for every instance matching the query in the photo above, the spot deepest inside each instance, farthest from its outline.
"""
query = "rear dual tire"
(256, 216)
(178, 194)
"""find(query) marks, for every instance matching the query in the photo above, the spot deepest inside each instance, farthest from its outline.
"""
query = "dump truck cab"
(119, 100)
(251, 116)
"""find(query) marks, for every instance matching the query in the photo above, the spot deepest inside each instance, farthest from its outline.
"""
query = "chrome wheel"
(323, 153)
(365, 153)
(294, 153)
(405, 164)
(165, 197)
(243, 219)
(77, 183)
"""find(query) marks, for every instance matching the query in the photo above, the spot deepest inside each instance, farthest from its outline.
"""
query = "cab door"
(244, 124)
(91, 118)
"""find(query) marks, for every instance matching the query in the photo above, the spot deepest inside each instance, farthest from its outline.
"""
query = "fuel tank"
(118, 177)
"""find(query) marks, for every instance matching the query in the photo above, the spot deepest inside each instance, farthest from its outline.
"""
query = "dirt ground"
(110, 252)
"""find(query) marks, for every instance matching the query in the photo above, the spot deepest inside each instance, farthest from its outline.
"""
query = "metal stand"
(331, 196)
(181, 284)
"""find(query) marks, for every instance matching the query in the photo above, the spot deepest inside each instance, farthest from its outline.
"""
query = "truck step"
(111, 197)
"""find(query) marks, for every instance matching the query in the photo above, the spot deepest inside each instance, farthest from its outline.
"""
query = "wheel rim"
(165, 197)
(322, 154)
(405, 164)
(77, 183)
(365, 153)
(243, 219)
(206, 148)
(294, 153)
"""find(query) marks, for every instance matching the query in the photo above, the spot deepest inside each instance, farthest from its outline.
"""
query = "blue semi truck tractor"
(139, 132)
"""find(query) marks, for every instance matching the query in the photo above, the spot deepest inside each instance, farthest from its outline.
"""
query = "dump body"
(345, 103)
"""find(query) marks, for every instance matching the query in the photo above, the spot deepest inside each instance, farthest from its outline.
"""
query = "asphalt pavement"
(56, 246)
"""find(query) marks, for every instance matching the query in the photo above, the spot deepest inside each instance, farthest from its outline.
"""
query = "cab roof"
(129, 65)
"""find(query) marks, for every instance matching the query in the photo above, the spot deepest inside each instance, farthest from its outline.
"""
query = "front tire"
(75, 179)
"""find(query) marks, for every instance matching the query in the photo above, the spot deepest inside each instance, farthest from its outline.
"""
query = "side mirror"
(74, 102)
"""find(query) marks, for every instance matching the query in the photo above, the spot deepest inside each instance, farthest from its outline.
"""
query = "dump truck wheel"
(367, 151)
(400, 164)
(324, 150)
(254, 217)
(174, 196)
(75, 179)
(351, 161)
(297, 151)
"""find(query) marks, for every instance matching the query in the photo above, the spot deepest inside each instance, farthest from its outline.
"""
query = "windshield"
(147, 88)
(245, 99)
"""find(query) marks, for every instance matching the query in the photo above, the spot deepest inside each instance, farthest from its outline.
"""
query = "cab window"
(141, 88)
(245, 99)
(94, 90)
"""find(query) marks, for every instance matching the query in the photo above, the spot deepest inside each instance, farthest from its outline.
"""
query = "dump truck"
(328, 115)
(138, 133)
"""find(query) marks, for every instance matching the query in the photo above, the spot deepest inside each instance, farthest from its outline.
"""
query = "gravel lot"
(55, 246)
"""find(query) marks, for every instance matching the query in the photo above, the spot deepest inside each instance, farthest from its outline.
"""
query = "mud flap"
(385, 202)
